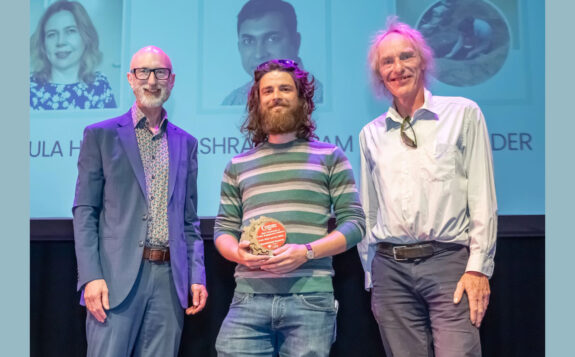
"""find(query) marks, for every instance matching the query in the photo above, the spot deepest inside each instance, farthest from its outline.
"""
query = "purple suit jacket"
(111, 209)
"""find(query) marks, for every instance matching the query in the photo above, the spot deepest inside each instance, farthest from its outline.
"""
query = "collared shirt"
(443, 190)
(155, 158)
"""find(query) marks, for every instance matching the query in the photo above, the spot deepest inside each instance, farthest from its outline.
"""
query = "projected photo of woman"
(64, 55)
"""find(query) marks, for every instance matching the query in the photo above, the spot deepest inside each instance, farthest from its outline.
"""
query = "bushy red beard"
(283, 121)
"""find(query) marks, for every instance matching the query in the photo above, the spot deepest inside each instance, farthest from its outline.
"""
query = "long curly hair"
(253, 125)
(41, 66)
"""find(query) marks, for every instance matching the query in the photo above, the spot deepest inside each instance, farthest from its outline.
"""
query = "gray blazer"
(111, 209)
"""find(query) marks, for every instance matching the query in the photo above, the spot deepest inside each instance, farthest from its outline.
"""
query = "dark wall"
(513, 326)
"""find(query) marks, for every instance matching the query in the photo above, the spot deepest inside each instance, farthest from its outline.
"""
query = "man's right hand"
(96, 298)
(239, 252)
(245, 257)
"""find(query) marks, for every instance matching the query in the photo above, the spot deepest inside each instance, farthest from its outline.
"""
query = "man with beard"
(136, 231)
(283, 302)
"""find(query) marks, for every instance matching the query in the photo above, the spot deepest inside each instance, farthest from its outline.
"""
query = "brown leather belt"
(156, 255)
(415, 251)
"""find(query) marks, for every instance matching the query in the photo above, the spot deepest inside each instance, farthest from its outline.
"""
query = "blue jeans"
(284, 324)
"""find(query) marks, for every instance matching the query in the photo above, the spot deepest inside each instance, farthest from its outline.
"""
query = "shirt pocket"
(438, 164)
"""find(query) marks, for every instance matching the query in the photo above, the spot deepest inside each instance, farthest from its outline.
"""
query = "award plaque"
(264, 234)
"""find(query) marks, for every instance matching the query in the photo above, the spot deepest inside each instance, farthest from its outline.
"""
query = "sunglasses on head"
(286, 63)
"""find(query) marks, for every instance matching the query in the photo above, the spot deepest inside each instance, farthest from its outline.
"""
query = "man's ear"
(172, 80)
(130, 77)
(297, 42)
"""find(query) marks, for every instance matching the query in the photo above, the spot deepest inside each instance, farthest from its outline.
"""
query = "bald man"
(136, 230)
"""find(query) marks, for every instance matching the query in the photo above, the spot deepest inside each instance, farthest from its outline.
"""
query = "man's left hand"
(476, 286)
(199, 297)
(286, 258)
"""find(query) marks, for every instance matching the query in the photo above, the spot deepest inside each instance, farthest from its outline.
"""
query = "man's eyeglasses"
(286, 63)
(144, 73)
(404, 137)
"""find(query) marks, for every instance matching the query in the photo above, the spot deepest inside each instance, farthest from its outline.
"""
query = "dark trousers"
(412, 302)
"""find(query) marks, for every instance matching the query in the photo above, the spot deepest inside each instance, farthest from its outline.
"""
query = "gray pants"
(147, 324)
(412, 302)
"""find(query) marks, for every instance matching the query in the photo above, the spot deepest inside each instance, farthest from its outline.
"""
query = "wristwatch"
(309, 254)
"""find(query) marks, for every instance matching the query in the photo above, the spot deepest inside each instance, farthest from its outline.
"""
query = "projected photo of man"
(64, 56)
(267, 29)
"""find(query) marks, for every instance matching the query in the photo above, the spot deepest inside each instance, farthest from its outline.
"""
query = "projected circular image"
(470, 40)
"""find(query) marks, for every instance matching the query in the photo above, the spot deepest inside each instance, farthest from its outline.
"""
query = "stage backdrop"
(489, 51)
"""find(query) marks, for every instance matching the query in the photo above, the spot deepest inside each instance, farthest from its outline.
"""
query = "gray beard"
(150, 101)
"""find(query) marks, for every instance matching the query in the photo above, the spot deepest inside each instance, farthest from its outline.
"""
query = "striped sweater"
(297, 183)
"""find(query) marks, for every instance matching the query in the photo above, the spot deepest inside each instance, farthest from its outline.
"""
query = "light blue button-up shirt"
(443, 190)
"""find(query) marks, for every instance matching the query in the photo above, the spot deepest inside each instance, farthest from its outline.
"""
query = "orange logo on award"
(271, 235)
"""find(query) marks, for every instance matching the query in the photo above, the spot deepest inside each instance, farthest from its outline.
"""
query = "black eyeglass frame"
(406, 139)
(148, 71)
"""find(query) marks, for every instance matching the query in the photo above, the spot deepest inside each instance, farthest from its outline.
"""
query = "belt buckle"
(156, 255)
(395, 253)
(159, 255)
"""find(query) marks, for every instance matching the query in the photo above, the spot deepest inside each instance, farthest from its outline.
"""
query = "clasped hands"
(284, 259)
